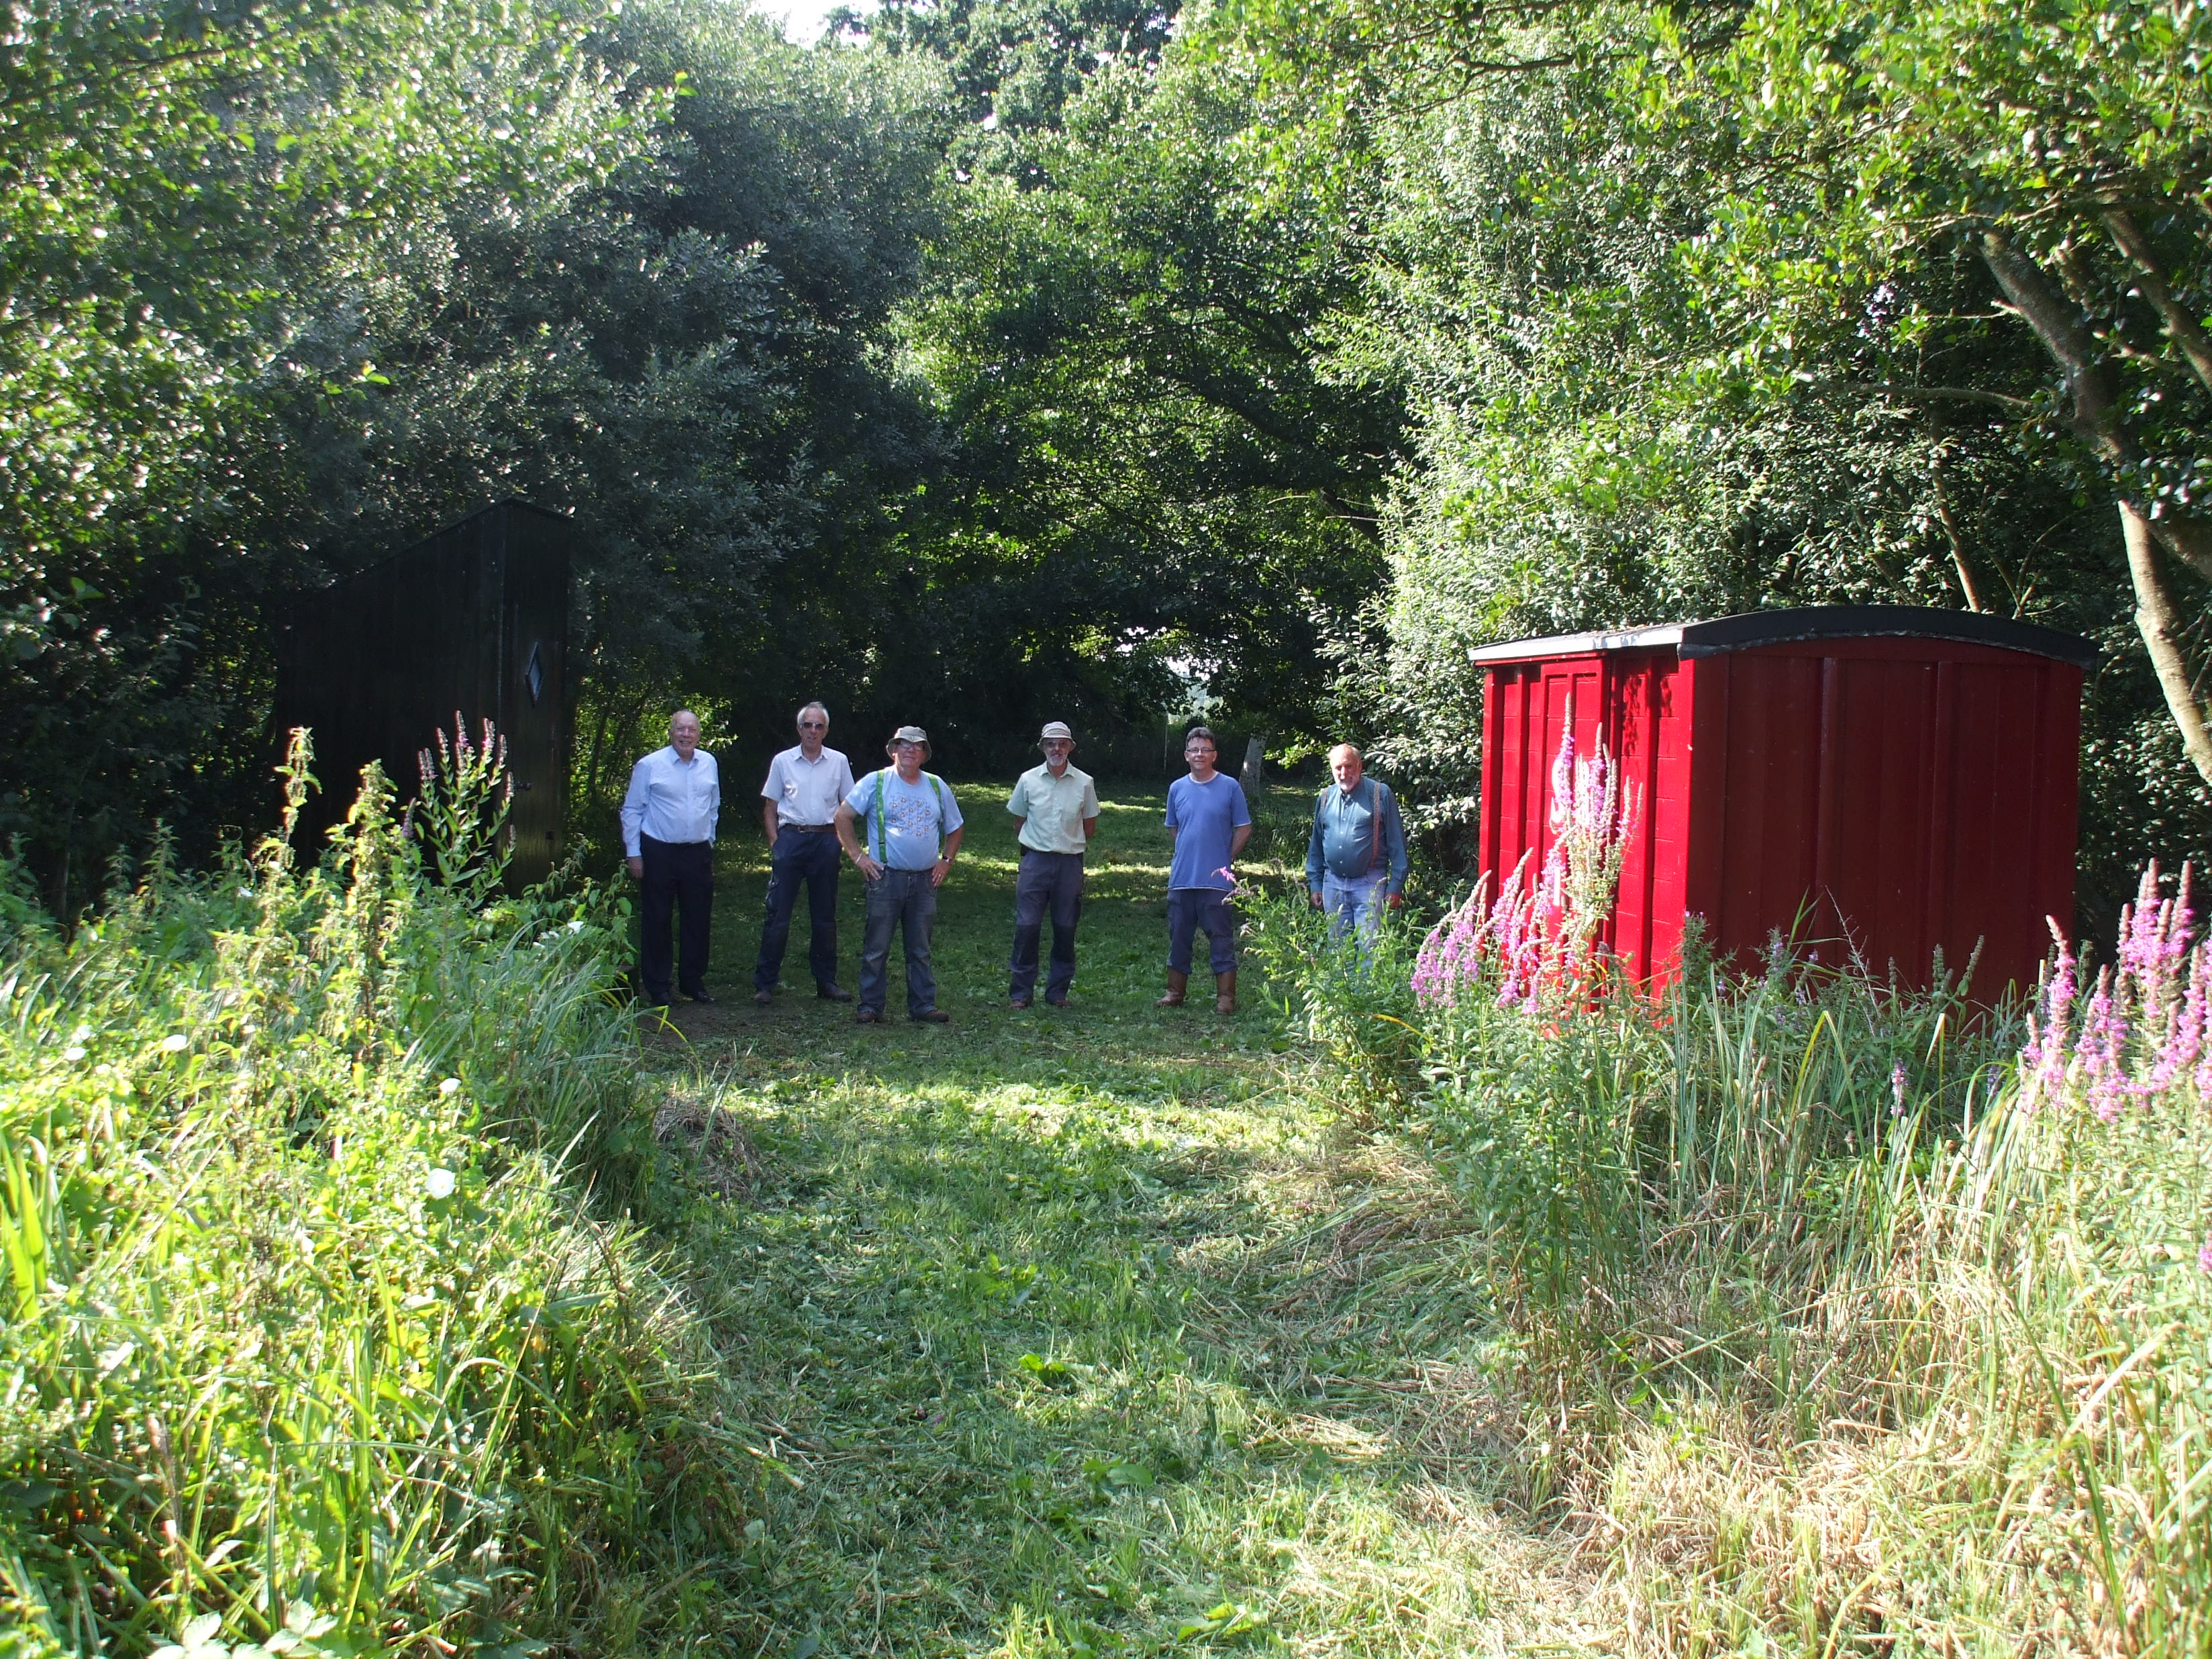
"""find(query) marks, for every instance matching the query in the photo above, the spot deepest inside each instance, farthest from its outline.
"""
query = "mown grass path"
(1073, 1331)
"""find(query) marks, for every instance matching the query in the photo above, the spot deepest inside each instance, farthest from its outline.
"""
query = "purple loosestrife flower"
(2103, 1033)
(2204, 1256)
(1897, 1090)
(2057, 1012)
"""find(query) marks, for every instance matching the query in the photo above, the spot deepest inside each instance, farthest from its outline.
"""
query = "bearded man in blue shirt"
(1356, 857)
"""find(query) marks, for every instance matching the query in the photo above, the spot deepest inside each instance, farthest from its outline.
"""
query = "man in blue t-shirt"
(911, 815)
(1210, 824)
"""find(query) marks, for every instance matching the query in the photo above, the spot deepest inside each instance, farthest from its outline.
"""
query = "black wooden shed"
(473, 620)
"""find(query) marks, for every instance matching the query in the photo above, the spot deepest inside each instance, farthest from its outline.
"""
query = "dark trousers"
(904, 899)
(1046, 882)
(810, 858)
(1190, 908)
(681, 874)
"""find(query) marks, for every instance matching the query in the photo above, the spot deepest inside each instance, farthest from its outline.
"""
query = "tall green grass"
(313, 1341)
(1827, 1331)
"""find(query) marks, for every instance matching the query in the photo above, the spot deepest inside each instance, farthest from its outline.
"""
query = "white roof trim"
(1576, 644)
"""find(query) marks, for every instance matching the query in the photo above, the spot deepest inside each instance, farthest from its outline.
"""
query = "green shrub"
(306, 1319)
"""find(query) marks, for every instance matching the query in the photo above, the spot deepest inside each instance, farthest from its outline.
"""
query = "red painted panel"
(1768, 813)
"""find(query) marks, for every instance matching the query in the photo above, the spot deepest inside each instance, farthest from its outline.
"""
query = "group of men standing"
(901, 826)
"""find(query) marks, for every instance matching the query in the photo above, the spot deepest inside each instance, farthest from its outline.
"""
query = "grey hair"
(680, 713)
(822, 709)
(1352, 749)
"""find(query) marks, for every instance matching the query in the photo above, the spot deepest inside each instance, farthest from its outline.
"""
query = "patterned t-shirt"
(916, 817)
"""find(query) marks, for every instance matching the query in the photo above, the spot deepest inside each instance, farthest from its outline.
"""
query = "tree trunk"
(2093, 389)
(2181, 327)
(2155, 620)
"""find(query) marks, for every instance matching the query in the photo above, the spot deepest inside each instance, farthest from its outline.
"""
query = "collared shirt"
(808, 791)
(671, 800)
(1205, 818)
(914, 818)
(1054, 809)
(1356, 832)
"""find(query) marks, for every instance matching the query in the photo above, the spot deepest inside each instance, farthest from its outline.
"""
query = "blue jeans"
(1046, 882)
(808, 858)
(1354, 903)
(1190, 908)
(898, 897)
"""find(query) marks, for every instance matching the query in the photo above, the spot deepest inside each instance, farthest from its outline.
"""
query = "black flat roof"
(1817, 621)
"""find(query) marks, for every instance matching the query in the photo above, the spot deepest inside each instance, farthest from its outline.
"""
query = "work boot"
(1176, 983)
(1224, 985)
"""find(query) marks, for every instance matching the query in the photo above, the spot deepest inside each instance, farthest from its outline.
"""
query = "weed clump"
(1831, 1313)
(310, 1346)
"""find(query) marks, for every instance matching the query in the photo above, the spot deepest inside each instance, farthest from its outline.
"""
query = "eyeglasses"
(814, 726)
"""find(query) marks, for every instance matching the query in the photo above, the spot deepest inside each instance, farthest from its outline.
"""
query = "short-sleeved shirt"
(1055, 809)
(1205, 818)
(916, 817)
(808, 791)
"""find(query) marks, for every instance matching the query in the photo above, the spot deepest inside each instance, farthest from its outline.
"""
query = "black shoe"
(701, 996)
(763, 998)
(833, 994)
(931, 1016)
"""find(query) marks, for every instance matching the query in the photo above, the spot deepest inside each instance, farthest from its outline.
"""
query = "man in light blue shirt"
(1210, 824)
(668, 832)
(1356, 856)
(914, 835)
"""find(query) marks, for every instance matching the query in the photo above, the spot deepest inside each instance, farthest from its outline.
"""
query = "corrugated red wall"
(1884, 797)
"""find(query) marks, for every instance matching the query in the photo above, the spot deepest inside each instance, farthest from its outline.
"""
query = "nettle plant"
(1537, 938)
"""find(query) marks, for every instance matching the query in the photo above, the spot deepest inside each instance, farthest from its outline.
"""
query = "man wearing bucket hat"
(914, 835)
(1056, 810)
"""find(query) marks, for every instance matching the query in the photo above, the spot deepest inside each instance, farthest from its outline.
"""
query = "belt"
(810, 828)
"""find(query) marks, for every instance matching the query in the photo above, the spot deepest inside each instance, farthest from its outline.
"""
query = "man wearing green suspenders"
(911, 814)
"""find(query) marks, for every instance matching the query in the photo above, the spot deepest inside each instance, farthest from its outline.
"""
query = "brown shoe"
(932, 1017)
(1177, 984)
(867, 1016)
(1226, 985)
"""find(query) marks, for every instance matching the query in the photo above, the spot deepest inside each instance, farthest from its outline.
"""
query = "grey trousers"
(899, 898)
(1046, 882)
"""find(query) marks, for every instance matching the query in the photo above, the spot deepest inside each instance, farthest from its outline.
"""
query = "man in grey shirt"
(668, 833)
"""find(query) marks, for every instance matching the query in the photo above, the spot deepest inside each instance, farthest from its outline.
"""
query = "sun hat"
(907, 734)
(1055, 729)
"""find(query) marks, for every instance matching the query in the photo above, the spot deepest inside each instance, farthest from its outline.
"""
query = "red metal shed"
(1904, 780)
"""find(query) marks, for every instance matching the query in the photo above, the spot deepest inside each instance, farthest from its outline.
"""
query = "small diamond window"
(533, 676)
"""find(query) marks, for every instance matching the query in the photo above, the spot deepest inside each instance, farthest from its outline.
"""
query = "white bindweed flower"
(176, 1043)
(576, 925)
(74, 1052)
(245, 892)
(80, 1034)
(442, 1183)
(451, 1085)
